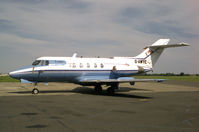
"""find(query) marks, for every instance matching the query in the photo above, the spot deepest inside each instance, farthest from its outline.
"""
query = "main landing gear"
(35, 90)
(110, 90)
(98, 89)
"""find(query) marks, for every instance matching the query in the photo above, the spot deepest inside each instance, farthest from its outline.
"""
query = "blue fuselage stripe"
(71, 75)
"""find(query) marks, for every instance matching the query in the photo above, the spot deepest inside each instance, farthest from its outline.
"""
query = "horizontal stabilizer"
(168, 46)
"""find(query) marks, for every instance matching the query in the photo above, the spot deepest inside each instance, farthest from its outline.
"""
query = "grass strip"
(8, 79)
(181, 78)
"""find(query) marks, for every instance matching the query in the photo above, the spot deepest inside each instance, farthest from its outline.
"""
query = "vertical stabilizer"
(161, 42)
(152, 53)
(156, 52)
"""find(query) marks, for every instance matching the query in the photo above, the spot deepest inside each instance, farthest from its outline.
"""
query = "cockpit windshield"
(49, 62)
(41, 62)
(35, 63)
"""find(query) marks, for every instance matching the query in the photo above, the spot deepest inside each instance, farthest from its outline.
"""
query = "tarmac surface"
(170, 106)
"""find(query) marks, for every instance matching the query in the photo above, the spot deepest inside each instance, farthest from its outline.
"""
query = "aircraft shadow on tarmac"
(91, 91)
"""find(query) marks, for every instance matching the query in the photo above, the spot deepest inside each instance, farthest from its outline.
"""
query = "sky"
(33, 28)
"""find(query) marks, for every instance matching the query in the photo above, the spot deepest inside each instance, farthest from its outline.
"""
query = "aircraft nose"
(12, 74)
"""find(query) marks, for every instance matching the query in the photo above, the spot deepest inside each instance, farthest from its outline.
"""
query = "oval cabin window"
(95, 65)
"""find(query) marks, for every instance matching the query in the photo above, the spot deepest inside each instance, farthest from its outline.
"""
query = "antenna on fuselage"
(74, 55)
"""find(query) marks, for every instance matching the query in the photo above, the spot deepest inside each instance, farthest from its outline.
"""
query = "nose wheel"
(35, 91)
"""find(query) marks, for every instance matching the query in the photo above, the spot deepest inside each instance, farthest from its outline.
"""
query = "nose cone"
(13, 74)
(22, 73)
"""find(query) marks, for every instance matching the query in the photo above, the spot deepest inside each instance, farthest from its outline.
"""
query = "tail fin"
(152, 53)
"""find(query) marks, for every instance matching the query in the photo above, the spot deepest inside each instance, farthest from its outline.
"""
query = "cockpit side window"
(57, 62)
(42, 62)
(35, 63)
(46, 62)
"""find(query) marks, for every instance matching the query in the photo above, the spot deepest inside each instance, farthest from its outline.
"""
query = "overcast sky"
(33, 28)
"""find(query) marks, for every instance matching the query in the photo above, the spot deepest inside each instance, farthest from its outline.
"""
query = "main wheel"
(98, 89)
(35, 91)
(111, 91)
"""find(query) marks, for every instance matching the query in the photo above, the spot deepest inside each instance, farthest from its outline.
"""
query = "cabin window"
(95, 65)
(74, 65)
(81, 65)
(102, 65)
(135, 61)
(88, 65)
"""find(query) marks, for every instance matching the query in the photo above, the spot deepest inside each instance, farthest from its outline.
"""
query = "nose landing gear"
(35, 90)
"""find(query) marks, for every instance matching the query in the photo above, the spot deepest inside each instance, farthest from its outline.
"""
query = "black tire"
(98, 89)
(111, 91)
(35, 91)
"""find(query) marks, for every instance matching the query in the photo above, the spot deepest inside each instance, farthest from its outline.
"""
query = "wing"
(119, 80)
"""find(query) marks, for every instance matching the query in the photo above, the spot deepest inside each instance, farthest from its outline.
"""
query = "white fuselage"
(70, 69)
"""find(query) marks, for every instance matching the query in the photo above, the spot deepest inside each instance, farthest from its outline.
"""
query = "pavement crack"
(64, 125)
(36, 126)
(188, 121)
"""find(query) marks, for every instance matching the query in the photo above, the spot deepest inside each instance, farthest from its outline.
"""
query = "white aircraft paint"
(94, 71)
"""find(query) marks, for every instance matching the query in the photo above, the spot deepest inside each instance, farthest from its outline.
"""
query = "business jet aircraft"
(94, 71)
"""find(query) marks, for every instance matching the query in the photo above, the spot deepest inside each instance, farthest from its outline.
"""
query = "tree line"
(169, 74)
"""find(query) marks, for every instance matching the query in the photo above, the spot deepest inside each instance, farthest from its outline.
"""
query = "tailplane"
(152, 53)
